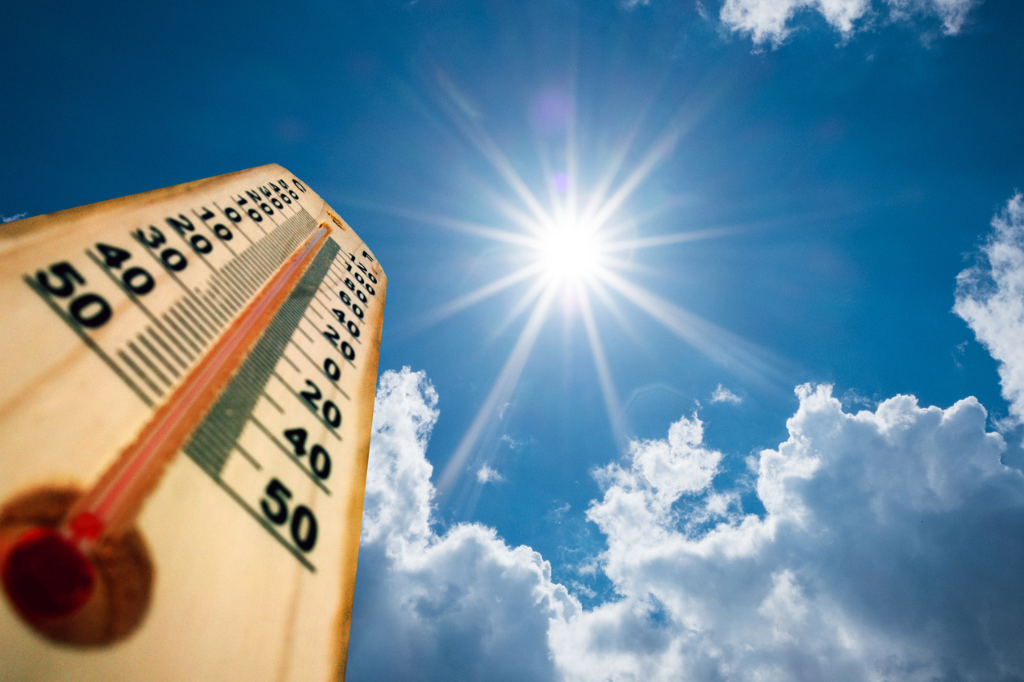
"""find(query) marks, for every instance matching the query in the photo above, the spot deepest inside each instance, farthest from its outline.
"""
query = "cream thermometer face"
(187, 393)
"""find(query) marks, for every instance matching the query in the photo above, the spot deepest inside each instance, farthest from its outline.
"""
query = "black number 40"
(275, 506)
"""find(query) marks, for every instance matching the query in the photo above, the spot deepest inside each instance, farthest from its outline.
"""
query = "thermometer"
(185, 410)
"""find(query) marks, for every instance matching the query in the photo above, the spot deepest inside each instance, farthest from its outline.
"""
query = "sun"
(570, 252)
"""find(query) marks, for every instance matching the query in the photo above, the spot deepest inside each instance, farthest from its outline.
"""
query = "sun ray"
(684, 120)
(611, 230)
(624, 265)
(490, 151)
(533, 293)
(615, 164)
(462, 302)
(604, 374)
(502, 390)
(515, 215)
(673, 238)
(558, 212)
(723, 347)
(597, 288)
(658, 151)
(464, 226)
(570, 170)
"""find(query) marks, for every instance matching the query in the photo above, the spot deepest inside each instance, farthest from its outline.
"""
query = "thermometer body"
(188, 381)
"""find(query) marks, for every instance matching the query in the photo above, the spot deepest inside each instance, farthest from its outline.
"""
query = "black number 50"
(275, 506)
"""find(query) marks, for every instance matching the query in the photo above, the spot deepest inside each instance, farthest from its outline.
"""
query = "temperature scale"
(187, 380)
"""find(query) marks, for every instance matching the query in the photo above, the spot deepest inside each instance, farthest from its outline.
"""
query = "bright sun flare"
(570, 252)
(578, 250)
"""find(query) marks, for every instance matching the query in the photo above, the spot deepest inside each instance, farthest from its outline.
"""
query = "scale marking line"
(222, 295)
(305, 334)
(313, 362)
(135, 299)
(173, 311)
(306, 318)
(289, 361)
(128, 361)
(249, 458)
(188, 305)
(229, 284)
(75, 327)
(308, 406)
(147, 249)
(247, 286)
(263, 522)
(273, 402)
(291, 455)
(163, 344)
(155, 353)
(218, 308)
(149, 363)
(182, 335)
(231, 222)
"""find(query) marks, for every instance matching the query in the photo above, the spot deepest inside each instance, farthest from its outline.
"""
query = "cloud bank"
(887, 545)
(771, 21)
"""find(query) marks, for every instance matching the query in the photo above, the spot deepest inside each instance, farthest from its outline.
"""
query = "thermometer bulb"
(47, 576)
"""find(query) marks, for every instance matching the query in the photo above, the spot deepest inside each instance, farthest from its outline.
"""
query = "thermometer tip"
(46, 575)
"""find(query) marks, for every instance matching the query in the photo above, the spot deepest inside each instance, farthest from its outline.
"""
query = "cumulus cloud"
(990, 298)
(724, 395)
(770, 21)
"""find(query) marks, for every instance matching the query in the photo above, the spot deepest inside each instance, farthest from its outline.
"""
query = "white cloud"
(724, 395)
(990, 298)
(12, 218)
(486, 474)
(770, 21)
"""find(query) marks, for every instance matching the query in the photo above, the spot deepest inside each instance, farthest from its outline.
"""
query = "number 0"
(304, 528)
(332, 414)
(90, 310)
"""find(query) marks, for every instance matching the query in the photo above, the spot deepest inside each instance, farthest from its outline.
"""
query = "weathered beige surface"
(231, 600)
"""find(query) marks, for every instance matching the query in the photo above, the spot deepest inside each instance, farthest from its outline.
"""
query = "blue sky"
(833, 167)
